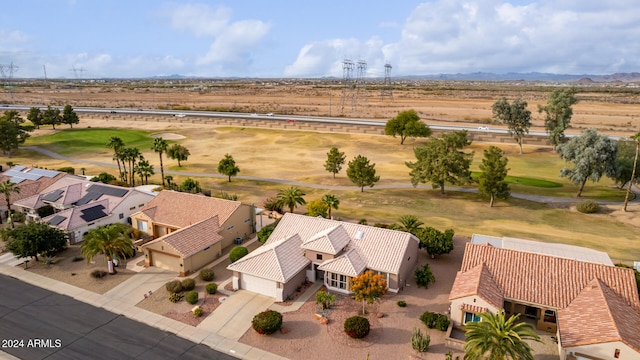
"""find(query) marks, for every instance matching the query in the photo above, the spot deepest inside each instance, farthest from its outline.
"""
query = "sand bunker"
(168, 136)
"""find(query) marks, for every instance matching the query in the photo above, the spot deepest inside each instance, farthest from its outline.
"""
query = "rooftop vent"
(359, 235)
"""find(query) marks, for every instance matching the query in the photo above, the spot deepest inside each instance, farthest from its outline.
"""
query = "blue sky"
(277, 38)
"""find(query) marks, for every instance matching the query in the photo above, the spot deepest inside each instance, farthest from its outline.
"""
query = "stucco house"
(592, 307)
(191, 230)
(315, 249)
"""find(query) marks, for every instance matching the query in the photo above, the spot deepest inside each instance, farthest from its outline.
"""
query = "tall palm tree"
(498, 338)
(635, 137)
(144, 169)
(290, 197)
(131, 156)
(7, 188)
(160, 146)
(410, 224)
(109, 240)
(116, 144)
(332, 202)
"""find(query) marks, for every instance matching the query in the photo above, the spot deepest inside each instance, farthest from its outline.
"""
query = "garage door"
(165, 261)
(258, 285)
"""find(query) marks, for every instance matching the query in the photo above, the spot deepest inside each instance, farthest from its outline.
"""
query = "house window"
(318, 256)
(141, 205)
(230, 228)
(338, 281)
(247, 220)
(121, 216)
(550, 316)
(132, 208)
(471, 317)
(142, 226)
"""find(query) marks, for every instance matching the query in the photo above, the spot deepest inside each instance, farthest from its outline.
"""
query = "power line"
(387, 88)
(7, 72)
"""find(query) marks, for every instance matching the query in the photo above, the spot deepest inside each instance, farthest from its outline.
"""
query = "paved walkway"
(134, 289)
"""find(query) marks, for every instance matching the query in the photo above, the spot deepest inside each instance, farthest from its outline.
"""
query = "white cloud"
(199, 19)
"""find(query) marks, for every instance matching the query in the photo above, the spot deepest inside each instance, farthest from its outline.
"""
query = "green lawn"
(89, 142)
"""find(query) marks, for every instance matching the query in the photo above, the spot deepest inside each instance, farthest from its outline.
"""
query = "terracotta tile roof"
(279, 260)
(350, 264)
(192, 239)
(180, 210)
(599, 315)
(330, 241)
(473, 308)
(477, 281)
(546, 280)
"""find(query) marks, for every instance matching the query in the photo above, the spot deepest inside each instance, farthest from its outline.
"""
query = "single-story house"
(311, 248)
(593, 307)
(171, 211)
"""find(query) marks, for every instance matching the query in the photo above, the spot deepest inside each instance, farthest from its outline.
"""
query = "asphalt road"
(39, 324)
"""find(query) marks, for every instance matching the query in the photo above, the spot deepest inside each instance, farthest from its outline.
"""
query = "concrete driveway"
(132, 290)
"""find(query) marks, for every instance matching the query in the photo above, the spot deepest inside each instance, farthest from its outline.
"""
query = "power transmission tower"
(347, 81)
(7, 73)
(44, 68)
(361, 90)
(75, 73)
(387, 88)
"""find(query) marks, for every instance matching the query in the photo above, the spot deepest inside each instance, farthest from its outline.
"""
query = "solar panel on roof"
(12, 172)
(28, 176)
(93, 213)
(88, 197)
(45, 173)
(19, 167)
(56, 220)
(53, 196)
(106, 190)
(16, 180)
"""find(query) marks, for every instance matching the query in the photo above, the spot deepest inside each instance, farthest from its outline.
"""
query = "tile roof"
(192, 239)
(599, 315)
(473, 308)
(279, 260)
(329, 241)
(477, 281)
(30, 188)
(350, 264)
(546, 280)
(180, 210)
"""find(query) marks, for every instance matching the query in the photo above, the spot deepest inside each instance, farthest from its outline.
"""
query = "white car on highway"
(180, 115)
(483, 128)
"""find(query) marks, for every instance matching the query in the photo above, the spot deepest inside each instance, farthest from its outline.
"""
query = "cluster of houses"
(591, 306)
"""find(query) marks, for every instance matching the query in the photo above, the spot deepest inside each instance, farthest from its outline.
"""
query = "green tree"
(515, 116)
(35, 238)
(35, 116)
(440, 161)
(335, 160)
(117, 145)
(69, 116)
(368, 287)
(332, 203)
(435, 241)
(361, 173)
(290, 197)
(558, 113)
(104, 178)
(178, 152)
(592, 156)
(237, 253)
(7, 188)
(13, 132)
(227, 166)
(191, 186)
(632, 178)
(52, 117)
(407, 123)
(494, 171)
(410, 224)
(110, 241)
(130, 156)
(325, 299)
(144, 169)
(317, 208)
(498, 338)
(160, 146)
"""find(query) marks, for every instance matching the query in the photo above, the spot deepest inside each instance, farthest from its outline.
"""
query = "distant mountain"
(532, 76)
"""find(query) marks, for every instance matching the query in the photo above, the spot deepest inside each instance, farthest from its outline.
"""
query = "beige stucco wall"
(291, 285)
(195, 262)
(242, 225)
(312, 255)
(457, 314)
(603, 351)
(407, 267)
(151, 250)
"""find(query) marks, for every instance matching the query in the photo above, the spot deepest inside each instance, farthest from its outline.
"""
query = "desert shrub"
(424, 276)
(211, 288)
(325, 299)
(192, 297)
(238, 253)
(176, 297)
(429, 319)
(419, 341)
(68, 169)
(97, 273)
(267, 322)
(402, 303)
(587, 207)
(77, 258)
(265, 232)
(174, 286)
(18, 217)
(188, 284)
(207, 274)
(442, 323)
(197, 311)
(45, 211)
(273, 204)
(357, 327)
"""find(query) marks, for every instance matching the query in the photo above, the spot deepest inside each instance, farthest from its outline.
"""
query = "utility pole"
(347, 81)
(7, 73)
(360, 83)
(387, 88)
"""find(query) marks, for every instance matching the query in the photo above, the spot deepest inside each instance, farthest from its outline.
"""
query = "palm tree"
(290, 198)
(144, 169)
(7, 188)
(109, 240)
(332, 202)
(635, 137)
(131, 156)
(178, 152)
(116, 144)
(160, 146)
(497, 338)
(410, 224)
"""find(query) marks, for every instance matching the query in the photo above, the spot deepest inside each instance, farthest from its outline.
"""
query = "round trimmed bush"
(429, 319)
(238, 253)
(402, 303)
(267, 322)
(197, 311)
(207, 274)
(211, 288)
(188, 284)
(357, 327)
(192, 297)
(587, 207)
(173, 286)
(442, 323)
